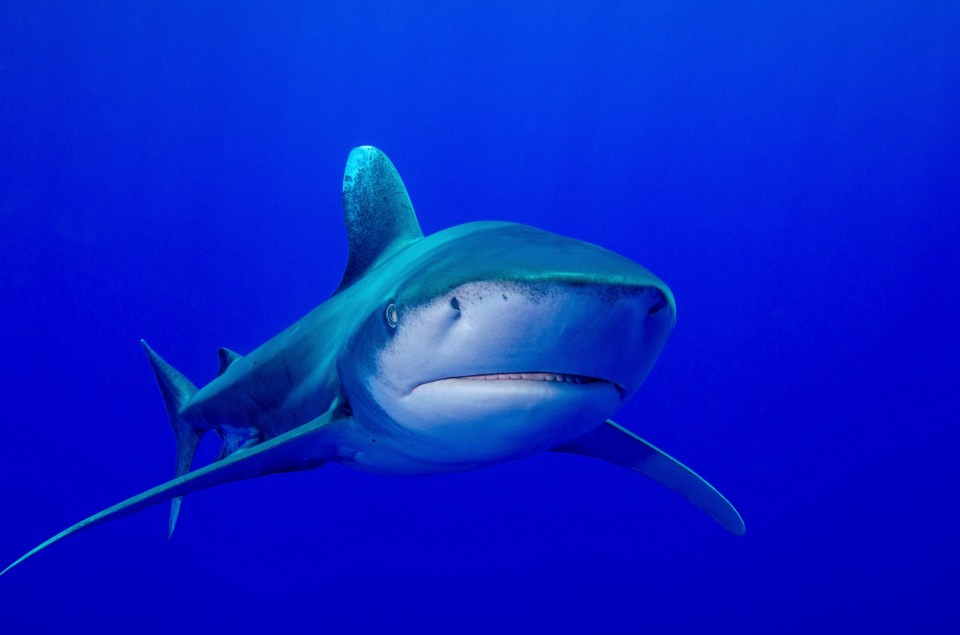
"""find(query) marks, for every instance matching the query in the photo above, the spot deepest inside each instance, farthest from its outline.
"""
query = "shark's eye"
(391, 315)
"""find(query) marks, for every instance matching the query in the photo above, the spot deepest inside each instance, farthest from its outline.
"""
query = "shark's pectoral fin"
(618, 445)
(303, 448)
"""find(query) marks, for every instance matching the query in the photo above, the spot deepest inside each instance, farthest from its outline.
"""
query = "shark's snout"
(611, 332)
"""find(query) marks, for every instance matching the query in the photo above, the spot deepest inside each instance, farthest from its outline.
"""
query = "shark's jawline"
(527, 376)
(564, 379)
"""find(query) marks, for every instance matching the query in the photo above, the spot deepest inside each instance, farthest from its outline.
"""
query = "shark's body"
(479, 344)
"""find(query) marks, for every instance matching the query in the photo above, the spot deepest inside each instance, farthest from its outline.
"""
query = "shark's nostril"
(455, 303)
(657, 306)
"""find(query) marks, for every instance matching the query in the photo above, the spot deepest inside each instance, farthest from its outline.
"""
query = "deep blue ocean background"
(172, 171)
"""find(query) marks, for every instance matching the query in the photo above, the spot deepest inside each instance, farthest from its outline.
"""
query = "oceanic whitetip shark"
(480, 344)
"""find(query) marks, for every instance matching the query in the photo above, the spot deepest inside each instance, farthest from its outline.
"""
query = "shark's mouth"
(537, 376)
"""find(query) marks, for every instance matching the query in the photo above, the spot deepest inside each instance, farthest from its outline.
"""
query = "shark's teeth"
(558, 377)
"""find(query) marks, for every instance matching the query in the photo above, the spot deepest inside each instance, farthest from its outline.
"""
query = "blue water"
(791, 170)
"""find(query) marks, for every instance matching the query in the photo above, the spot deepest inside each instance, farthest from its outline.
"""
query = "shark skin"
(482, 343)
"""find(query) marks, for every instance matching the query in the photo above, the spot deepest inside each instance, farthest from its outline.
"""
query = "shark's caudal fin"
(376, 211)
(303, 448)
(618, 445)
(177, 391)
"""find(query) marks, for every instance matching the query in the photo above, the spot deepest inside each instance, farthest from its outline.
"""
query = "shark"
(480, 344)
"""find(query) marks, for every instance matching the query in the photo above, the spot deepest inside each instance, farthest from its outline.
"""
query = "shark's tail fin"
(177, 391)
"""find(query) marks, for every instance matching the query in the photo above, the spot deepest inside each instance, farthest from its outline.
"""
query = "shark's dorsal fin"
(226, 357)
(376, 211)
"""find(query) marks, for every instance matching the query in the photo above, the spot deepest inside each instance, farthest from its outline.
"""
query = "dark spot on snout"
(657, 306)
(455, 303)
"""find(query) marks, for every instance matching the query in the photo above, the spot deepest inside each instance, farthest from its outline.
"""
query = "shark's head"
(493, 340)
